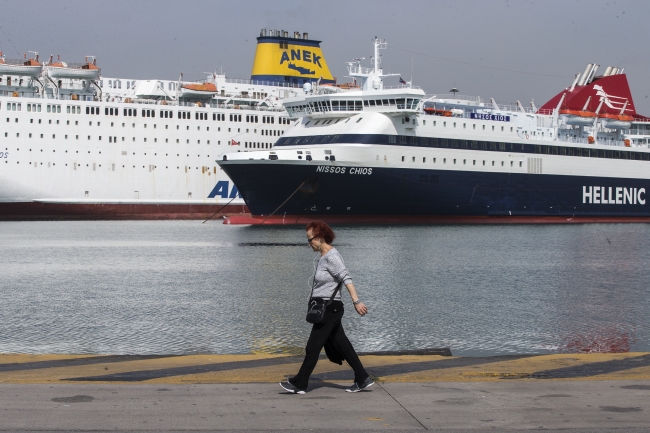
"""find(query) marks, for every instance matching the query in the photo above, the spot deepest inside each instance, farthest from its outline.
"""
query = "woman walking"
(330, 273)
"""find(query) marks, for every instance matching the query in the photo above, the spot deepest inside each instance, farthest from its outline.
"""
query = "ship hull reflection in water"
(182, 287)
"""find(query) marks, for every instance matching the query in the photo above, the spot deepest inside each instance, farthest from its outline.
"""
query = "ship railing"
(565, 138)
(261, 83)
(401, 86)
(446, 96)
(360, 70)
(72, 85)
(23, 91)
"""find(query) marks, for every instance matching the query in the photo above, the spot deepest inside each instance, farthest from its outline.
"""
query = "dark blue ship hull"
(345, 193)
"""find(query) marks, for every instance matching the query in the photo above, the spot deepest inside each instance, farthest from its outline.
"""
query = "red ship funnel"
(612, 90)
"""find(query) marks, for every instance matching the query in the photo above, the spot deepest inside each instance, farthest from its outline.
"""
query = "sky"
(506, 49)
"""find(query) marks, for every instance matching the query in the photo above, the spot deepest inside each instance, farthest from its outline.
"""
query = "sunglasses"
(310, 239)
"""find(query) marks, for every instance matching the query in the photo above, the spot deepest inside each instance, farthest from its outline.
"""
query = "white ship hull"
(59, 164)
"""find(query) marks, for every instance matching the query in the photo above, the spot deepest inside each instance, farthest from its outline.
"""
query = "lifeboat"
(84, 71)
(205, 90)
(438, 112)
(616, 121)
(578, 117)
(27, 68)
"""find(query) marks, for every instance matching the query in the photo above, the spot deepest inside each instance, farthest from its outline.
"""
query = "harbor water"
(180, 287)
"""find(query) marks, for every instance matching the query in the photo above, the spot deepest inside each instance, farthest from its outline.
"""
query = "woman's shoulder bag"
(317, 310)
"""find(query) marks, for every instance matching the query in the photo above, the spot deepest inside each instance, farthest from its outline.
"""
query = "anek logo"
(307, 56)
(611, 195)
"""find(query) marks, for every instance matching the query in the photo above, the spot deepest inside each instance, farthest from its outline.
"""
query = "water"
(178, 287)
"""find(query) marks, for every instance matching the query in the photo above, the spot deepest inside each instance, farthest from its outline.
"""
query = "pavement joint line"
(401, 405)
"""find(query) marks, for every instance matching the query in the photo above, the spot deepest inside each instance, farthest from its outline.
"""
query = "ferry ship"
(77, 144)
(382, 154)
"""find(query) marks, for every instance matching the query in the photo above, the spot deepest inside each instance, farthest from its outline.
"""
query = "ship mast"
(370, 78)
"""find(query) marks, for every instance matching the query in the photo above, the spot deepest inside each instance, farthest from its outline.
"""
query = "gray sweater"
(330, 271)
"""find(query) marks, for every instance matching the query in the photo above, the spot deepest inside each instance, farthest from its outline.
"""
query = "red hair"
(320, 229)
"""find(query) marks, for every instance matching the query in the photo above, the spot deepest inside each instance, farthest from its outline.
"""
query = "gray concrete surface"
(580, 406)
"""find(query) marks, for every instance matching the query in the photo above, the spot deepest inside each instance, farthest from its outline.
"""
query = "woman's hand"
(361, 309)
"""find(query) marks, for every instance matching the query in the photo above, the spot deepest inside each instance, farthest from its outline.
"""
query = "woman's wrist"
(355, 303)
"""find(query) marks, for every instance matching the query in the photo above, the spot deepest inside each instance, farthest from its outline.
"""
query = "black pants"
(319, 335)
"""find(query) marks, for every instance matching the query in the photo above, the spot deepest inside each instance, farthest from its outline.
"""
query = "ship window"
(454, 160)
(402, 159)
(372, 103)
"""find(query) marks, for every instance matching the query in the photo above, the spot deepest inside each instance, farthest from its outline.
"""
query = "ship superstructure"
(380, 154)
(77, 144)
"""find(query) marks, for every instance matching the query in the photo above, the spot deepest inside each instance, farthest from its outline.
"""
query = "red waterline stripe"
(32, 211)
(397, 219)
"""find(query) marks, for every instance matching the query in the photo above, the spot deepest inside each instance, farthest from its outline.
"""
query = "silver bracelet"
(356, 302)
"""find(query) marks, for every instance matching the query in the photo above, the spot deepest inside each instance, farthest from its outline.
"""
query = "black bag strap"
(334, 294)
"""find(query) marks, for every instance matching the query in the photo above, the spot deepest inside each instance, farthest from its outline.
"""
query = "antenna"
(411, 82)
(454, 90)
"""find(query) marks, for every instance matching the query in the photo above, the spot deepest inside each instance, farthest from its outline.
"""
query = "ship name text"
(613, 195)
(343, 170)
(485, 116)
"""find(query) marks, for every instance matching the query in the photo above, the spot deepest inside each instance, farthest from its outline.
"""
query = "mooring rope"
(283, 203)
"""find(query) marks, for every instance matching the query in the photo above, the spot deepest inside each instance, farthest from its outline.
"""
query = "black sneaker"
(366, 384)
(289, 387)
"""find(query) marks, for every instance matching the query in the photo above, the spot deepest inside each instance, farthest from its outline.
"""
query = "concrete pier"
(586, 392)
